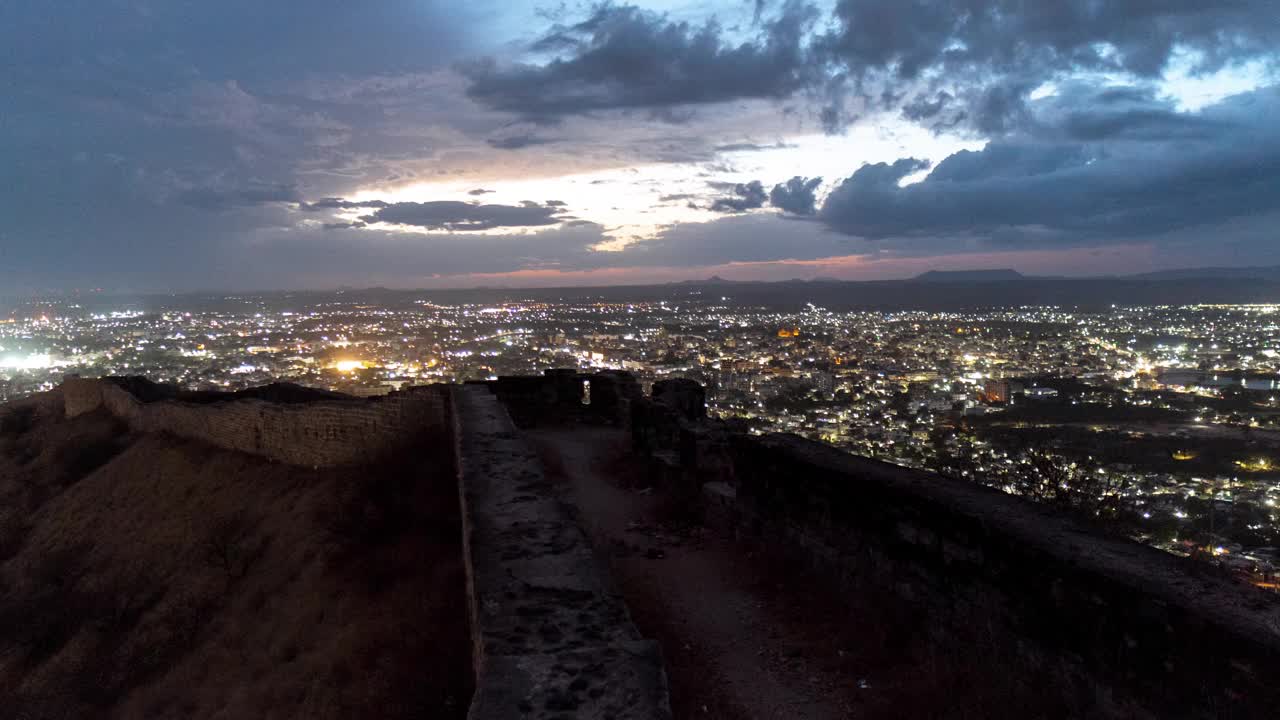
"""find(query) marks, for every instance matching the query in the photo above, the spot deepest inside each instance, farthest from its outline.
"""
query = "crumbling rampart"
(1133, 628)
(322, 433)
(552, 638)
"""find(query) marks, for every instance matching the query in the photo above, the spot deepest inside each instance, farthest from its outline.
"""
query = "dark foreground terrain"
(148, 576)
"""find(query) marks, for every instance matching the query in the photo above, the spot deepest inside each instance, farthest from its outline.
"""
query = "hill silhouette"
(970, 276)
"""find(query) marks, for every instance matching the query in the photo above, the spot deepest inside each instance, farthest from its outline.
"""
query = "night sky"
(162, 145)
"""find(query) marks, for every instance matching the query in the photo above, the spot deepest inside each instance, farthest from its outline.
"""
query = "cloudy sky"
(165, 145)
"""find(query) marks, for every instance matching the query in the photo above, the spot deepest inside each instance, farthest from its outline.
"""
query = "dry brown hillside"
(147, 576)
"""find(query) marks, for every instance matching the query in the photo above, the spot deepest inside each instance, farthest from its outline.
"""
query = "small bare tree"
(1055, 480)
(229, 546)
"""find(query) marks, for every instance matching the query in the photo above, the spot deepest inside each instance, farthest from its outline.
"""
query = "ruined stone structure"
(1112, 618)
(318, 434)
(1116, 620)
(552, 638)
(567, 396)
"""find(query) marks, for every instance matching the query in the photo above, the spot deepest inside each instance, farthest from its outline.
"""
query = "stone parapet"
(551, 637)
(320, 433)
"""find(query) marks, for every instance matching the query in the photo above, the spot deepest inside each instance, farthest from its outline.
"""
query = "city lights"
(1143, 416)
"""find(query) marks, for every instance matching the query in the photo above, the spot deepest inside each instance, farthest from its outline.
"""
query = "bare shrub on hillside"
(1055, 481)
(230, 546)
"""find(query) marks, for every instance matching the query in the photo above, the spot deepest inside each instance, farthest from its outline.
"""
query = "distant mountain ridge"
(938, 289)
(1271, 273)
(970, 276)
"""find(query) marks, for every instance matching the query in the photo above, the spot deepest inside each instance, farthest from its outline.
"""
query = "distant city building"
(996, 391)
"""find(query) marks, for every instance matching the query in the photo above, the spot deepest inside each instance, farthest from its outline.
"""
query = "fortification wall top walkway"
(552, 638)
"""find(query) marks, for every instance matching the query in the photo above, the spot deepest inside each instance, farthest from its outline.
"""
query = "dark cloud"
(478, 191)
(751, 147)
(797, 196)
(1033, 190)
(945, 63)
(555, 203)
(910, 37)
(156, 144)
(868, 193)
(926, 109)
(146, 116)
(676, 196)
(976, 63)
(746, 196)
(517, 142)
(456, 215)
(759, 10)
(1090, 113)
(622, 57)
(220, 199)
(333, 203)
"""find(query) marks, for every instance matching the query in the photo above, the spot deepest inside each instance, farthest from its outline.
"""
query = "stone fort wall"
(321, 433)
(1129, 626)
(1133, 630)
(552, 638)
(1134, 627)
(561, 397)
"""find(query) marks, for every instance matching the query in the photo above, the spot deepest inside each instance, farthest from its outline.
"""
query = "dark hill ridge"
(994, 288)
(147, 575)
(970, 276)
(1271, 273)
(909, 294)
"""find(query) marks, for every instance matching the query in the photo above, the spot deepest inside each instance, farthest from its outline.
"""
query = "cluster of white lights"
(27, 362)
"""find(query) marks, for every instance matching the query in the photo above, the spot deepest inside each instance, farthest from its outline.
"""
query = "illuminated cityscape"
(661, 360)
(1162, 421)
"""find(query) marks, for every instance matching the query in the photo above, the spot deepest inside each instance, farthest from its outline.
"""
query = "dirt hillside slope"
(146, 576)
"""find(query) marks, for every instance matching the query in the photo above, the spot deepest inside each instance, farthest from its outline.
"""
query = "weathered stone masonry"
(551, 636)
(1118, 621)
(1113, 617)
(320, 433)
